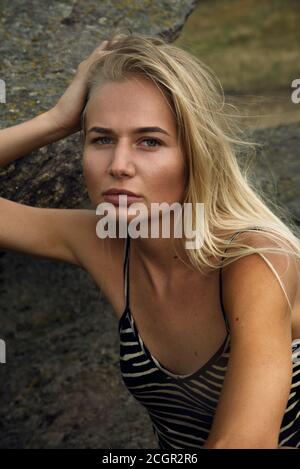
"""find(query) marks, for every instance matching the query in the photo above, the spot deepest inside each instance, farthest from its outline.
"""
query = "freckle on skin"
(237, 319)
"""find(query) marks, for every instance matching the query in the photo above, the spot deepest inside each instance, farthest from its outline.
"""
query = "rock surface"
(276, 166)
(61, 386)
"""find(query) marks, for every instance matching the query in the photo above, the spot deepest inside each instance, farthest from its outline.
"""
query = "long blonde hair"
(209, 139)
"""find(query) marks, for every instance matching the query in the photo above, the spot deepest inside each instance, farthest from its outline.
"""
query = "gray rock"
(61, 385)
(276, 168)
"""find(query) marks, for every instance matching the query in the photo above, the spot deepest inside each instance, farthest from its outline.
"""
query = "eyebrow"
(140, 130)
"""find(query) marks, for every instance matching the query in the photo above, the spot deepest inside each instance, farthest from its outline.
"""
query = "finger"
(101, 47)
(104, 43)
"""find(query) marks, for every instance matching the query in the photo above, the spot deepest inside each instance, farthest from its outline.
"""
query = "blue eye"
(96, 140)
(153, 140)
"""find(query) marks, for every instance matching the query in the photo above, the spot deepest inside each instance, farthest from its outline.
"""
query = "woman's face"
(148, 163)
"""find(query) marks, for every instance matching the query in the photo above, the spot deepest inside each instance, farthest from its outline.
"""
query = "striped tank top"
(182, 407)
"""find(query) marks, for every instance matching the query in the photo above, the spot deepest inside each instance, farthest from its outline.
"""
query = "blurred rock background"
(61, 386)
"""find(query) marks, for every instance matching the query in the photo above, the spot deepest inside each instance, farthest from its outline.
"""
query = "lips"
(113, 196)
(115, 191)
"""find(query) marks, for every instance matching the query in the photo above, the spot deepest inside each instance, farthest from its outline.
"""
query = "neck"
(159, 260)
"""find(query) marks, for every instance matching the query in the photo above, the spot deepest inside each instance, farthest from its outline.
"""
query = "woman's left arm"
(258, 379)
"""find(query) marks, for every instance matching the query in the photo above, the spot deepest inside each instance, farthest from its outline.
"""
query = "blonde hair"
(209, 139)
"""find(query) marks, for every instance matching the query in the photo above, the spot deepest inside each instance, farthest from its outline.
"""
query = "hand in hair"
(67, 111)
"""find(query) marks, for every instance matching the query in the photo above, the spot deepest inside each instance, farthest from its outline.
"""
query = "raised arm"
(60, 121)
(20, 140)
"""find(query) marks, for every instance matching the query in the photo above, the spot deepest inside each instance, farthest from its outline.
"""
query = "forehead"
(134, 101)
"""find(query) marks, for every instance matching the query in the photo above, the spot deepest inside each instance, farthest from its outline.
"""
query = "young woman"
(206, 334)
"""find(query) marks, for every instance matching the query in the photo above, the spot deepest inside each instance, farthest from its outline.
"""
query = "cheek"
(172, 169)
(169, 178)
(93, 175)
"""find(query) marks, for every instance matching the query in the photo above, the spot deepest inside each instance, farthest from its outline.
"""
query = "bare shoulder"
(93, 253)
(264, 281)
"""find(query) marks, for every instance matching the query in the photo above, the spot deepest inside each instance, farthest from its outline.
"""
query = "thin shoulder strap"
(220, 276)
(126, 271)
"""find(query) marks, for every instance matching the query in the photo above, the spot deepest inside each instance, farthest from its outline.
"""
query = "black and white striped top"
(182, 407)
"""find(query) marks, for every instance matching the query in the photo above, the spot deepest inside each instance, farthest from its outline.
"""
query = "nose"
(121, 160)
